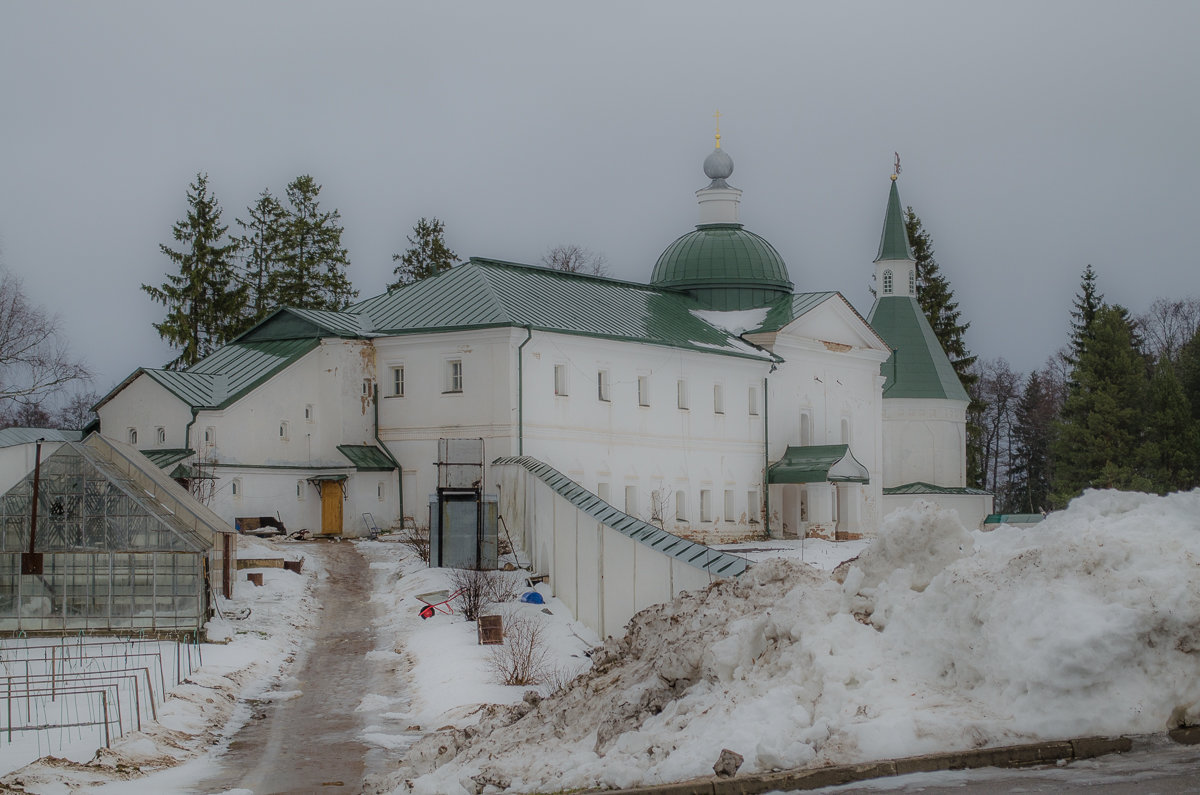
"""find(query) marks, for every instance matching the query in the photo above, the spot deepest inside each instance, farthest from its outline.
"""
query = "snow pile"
(934, 639)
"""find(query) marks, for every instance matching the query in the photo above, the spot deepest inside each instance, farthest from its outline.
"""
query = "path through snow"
(326, 726)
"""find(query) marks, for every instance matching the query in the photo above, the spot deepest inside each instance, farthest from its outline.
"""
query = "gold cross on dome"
(717, 116)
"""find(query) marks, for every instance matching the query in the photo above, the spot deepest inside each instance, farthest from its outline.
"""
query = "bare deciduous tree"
(1168, 325)
(34, 359)
(575, 259)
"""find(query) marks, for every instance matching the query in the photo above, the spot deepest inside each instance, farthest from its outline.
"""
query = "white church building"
(712, 402)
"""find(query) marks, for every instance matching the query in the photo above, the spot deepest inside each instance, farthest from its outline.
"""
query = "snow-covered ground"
(935, 638)
(202, 713)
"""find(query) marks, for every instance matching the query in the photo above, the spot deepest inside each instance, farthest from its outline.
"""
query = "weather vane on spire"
(717, 116)
(896, 172)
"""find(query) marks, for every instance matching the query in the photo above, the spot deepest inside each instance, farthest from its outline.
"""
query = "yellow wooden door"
(331, 507)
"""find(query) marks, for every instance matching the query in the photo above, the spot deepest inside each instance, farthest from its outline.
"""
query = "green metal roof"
(1013, 518)
(918, 367)
(920, 487)
(723, 266)
(893, 242)
(166, 457)
(819, 463)
(489, 293)
(292, 323)
(367, 457)
(715, 562)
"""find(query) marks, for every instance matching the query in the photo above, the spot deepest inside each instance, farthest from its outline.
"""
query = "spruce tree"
(204, 300)
(1100, 429)
(1083, 314)
(936, 300)
(313, 275)
(262, 248)
(1189, 373)
(427, 255)
(1168, 456)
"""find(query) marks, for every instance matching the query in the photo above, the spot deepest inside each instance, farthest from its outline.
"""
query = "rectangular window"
(379, 490)
(300, 490)
(730, 516)
(752, 506)
(656, 508)
(680, 506)
(681, 393)
(643, 383)
(560, 380)
(367, 390)
(283, 431)
(310, 413)
(398, 381)
(235, 488)
(706, 514)
(602, 386)
(718, 399)
(631, 500)
(753, 400)
(210, 435)
(454, 375)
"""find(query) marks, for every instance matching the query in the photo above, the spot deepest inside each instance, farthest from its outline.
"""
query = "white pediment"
(835, 325)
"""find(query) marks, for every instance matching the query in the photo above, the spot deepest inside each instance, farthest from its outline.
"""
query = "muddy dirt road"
(321, 740)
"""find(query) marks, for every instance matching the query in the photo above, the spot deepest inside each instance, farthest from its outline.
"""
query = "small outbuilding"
(117, 546)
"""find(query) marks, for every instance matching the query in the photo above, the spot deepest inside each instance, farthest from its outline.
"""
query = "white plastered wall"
(924, 440)
(601, 575)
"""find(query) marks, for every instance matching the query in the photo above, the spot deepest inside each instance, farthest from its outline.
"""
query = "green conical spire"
(893, 243)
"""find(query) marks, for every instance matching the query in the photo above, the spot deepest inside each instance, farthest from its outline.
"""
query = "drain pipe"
(392, 458)
(766, 460)
(521, 391)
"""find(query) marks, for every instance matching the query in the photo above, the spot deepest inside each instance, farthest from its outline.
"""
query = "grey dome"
(718, 165)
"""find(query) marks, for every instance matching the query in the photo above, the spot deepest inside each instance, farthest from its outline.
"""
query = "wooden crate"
(491, 630)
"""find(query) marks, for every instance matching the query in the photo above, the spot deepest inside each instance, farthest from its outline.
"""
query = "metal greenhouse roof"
(489, 293)
(15, 436)
(715, 562)
(918, 367)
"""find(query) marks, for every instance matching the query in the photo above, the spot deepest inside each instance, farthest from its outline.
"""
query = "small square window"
(454, 375)
(367, 384)
(681, 390)
(397, 381)
(729, 516)
(680, 506)
(753, 401)
(560, 380)
(643, 386)
(602, 392)
(718, 399)
(706, 514)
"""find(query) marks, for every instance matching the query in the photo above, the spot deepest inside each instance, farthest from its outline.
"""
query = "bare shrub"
(559, 679)
(417, 540)
(504, 586)
(522, 659)
(475, 586)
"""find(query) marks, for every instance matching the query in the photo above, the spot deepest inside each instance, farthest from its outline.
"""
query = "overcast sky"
(1035, 138)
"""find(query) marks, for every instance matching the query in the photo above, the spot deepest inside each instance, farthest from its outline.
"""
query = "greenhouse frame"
(119, 547)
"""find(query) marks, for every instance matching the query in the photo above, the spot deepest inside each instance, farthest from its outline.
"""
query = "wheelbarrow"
(438, 602)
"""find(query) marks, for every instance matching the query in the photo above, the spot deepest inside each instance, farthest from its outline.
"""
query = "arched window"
(133, 435)
(845, 431)
(805, 428)
(887, 282)
(912, 282)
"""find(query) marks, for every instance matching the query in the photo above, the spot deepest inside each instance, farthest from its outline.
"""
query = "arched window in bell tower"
(887, 282)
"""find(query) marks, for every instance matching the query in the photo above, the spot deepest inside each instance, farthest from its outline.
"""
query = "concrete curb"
(1043, 753)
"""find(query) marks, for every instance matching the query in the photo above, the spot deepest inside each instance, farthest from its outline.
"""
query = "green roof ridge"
(918, 367)
(893, 242)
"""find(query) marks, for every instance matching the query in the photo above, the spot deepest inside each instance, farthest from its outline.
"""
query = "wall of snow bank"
(601, 575)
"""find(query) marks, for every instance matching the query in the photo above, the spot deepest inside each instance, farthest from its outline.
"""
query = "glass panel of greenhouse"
(115, 556)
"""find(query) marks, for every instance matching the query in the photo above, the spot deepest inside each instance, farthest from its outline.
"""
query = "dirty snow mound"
(937, 639)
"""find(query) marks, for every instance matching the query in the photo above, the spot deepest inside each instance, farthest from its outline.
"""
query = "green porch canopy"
(818, 463)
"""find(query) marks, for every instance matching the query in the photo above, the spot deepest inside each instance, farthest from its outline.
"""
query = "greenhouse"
(118, 546)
